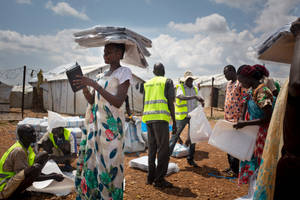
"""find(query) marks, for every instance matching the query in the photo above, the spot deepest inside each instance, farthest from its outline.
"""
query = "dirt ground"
(205, 182)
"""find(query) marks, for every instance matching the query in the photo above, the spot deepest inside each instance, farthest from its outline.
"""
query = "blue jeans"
(180, 124)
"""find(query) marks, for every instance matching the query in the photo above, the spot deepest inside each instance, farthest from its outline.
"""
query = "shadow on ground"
(177, 191)
(200, 155)
(203, 171)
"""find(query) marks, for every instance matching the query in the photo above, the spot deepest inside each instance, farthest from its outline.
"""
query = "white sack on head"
(55, 120)
(135, 44)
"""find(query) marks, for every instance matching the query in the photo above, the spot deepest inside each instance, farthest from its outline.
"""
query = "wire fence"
(16, 94)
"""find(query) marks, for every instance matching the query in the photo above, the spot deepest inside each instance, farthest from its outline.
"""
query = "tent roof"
(219, 80)
(3, 84)
(14, 76)
(58, 73)
(19, 88)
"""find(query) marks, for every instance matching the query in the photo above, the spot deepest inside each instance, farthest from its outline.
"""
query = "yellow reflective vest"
(5, 176)
(181, 109)
(155, 102)
(67, 134)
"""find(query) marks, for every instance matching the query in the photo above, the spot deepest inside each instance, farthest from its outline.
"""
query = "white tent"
(206, 89)
(16, 96)
(59, 97)
(136, 89)
(5, 90)
(220, 83)
(57, 93)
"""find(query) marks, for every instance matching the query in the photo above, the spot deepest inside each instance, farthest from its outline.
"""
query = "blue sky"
(201, 36)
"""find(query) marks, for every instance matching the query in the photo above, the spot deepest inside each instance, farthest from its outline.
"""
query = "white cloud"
(214, 23)
(243, 4)
(213, 46)
(24, 1)
(148, 2)
(64, 9)
(44, 51)
(275, 14)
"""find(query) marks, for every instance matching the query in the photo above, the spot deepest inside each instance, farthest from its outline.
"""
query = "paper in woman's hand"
(72, 74)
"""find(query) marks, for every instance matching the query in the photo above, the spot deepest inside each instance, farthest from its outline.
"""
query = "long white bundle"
(135, 44)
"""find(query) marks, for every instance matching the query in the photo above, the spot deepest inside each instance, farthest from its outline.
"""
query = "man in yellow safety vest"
(187, 98)
(158, 110)
(59, 143)
(20, 167)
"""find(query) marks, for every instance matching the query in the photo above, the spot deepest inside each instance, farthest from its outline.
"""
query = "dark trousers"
(234, 163)
(158, 138)
(180, 124)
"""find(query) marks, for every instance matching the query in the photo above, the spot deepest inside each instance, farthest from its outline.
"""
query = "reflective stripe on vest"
(5, 176)
(155, 102)
(181, 109)
(67, 134)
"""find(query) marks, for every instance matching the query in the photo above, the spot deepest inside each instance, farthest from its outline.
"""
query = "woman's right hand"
(240, 124)
(83, 81)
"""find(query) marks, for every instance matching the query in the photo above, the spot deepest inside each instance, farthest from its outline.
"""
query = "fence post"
(212, 96)
(23, 92)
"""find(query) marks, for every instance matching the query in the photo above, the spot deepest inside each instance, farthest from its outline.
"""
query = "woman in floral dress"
(100, 169)
(259, 103)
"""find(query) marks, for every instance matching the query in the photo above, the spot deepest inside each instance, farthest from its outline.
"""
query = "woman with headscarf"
(259, 103)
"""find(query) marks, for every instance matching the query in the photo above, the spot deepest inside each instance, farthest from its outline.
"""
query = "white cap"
(55, 120)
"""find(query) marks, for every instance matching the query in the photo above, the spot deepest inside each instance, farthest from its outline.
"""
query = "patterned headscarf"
(255, 71)
(261, 69)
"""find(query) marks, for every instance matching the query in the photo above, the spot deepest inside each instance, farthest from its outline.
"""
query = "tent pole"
(212, 96)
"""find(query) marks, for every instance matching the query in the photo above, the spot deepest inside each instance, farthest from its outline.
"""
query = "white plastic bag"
(251, 189)
(51, 186)
(142, 163)
(55, 120)
(180, 151)
(239, 143)
(133, 138)
(200, 129)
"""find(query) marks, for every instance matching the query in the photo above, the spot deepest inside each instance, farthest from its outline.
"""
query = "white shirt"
(193, 103)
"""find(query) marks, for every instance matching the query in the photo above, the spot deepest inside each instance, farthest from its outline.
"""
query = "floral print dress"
(100, 169)
(233, 101)
(256, 100)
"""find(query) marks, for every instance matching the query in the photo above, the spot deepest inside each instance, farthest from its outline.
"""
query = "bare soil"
(204, 182)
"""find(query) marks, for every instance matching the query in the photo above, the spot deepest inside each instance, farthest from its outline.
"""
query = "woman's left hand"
(83, 81)
(240, 124)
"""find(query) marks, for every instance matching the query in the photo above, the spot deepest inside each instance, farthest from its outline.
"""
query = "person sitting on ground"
(20, 167)
(59, 143)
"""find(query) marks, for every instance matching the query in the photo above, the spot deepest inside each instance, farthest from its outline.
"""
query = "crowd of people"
(250, 100)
